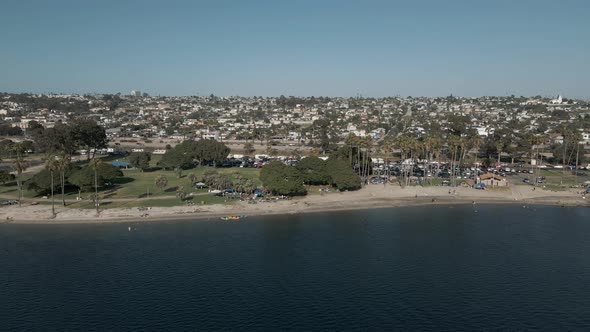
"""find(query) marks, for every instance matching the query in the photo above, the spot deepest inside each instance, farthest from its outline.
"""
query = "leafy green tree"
(175, 158)
(140, 160)
(356, 155)
(281, 179)
(6, 148)
(87, 134)
(208, 150)
(342, 176)
(84, 178)
(41, 182)
(60, 138)
(184, 154)
(313, 171)
(5, 176)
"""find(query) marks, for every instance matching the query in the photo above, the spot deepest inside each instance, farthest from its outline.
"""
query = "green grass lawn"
(166, 202)
(133, 188)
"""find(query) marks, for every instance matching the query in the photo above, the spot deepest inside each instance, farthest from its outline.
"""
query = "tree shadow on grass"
(152, 169)
(171, 189)
(122, 180)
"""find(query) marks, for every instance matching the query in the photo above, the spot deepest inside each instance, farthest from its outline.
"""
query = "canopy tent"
(120, 164)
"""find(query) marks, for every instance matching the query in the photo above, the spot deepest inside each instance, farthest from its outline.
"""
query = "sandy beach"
(373, 196)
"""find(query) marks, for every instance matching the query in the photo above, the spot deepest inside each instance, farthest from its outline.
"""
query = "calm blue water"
(427, 268)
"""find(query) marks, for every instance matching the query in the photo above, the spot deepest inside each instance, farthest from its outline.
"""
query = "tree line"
(281, 179)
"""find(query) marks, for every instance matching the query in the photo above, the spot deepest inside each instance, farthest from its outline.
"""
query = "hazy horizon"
(304, 48)
(277, 96)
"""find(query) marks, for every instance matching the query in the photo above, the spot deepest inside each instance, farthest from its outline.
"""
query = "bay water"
(461, 267)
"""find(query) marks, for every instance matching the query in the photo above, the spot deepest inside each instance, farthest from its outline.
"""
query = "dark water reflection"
(428, 268)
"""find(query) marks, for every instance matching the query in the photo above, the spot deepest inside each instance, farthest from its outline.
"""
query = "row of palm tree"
(458, 149)
(60, 164)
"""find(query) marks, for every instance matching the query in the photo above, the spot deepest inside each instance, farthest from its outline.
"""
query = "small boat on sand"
(232, 218)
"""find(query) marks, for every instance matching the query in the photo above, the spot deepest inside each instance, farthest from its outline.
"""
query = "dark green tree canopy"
(281, 179)
(86, 133)
(5, 176)
(80, 134)
(83, 178)
(140, 160)
(41, 182)
(342, 176)
(313, 171)
(204, 151)
(176, 158)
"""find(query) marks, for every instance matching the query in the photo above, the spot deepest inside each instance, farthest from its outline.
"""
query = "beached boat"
(232, 218)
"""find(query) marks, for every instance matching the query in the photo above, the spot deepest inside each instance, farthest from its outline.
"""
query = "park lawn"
(556, 177)
(135, 184)
(199, 201)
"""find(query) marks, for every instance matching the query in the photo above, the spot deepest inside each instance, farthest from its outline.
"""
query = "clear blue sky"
(303, 48)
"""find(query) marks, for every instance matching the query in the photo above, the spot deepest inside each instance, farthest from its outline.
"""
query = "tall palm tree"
(429, 142)
(52, 165)
(534, 141)
(366, 144)
(453, 143)
(386, 148)
(63, 163)
(476, 143)
(20, 165)
(95, 163)
(406, 145)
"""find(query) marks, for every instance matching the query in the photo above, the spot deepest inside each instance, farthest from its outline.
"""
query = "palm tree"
(180, 193)
(476, 143)
(52, 165)
(534, 141)
(499, 144)
(405, 144)
(386, 148)
(161, 182)
(20, 165)
(192, 178)
(63, 163)
(454, 143)
(95, 163)
(249, 186)
(248, 148)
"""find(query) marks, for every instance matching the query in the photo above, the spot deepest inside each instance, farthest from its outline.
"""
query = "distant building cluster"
(299, 120)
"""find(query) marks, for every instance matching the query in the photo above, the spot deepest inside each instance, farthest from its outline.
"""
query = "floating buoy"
(129, 228)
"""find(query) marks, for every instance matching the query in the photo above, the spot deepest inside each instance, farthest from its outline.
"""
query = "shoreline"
(365, 199)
